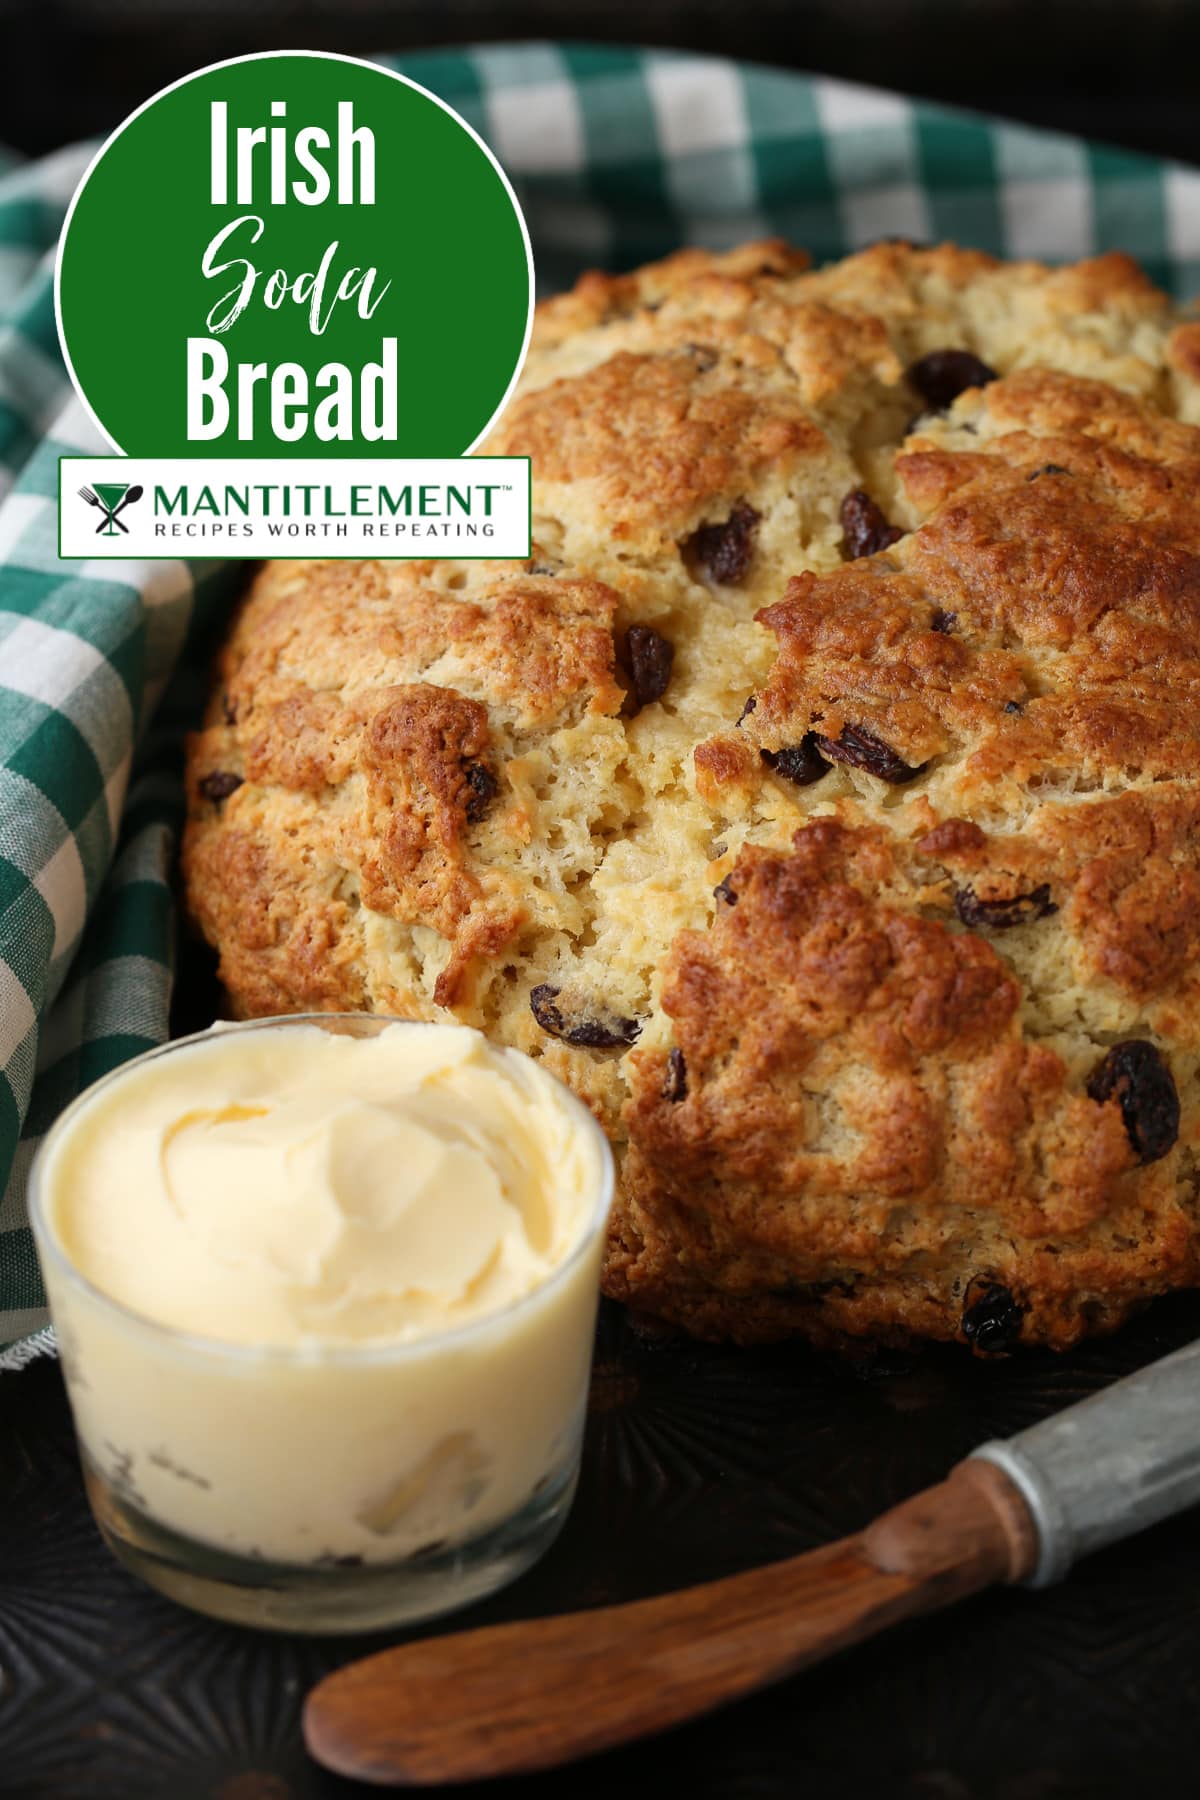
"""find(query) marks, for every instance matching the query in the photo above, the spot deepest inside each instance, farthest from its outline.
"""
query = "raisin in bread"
(821, 801)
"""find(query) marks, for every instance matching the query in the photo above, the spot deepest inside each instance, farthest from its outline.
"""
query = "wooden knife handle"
(511, 1699)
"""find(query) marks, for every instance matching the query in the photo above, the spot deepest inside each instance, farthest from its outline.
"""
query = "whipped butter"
(376, 1258)
(293, 1185)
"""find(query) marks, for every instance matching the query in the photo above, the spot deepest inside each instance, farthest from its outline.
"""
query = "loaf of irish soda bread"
(821, 801)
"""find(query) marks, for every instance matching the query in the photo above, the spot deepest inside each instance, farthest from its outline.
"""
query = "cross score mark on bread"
(822, 801)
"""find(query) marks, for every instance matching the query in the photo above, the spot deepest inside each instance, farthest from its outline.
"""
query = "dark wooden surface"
(699, 1462)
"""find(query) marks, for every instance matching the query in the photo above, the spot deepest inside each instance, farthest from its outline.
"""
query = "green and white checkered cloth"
(618, 156)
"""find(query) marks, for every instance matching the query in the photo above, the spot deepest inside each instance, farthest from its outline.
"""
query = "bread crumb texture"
(821, 801)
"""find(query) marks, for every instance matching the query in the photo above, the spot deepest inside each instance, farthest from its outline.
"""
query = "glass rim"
(312, 1352)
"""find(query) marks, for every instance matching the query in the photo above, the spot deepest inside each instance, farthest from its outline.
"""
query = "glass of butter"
(325, 1292)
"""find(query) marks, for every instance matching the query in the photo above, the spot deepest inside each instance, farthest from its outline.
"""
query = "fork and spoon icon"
(111, 504)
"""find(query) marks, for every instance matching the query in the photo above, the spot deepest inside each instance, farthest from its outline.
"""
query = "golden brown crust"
(860, 1101)
(845, 930)
(1041, 626)
(598, 298)
(661, 447)
(283, 947)
(376, 794)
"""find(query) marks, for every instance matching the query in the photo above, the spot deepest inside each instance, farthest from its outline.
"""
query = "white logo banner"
(131, 507)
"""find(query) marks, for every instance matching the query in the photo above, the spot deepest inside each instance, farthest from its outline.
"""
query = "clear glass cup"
(327, 1489)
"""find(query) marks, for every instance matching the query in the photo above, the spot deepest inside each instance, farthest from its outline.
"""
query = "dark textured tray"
(699, 1461)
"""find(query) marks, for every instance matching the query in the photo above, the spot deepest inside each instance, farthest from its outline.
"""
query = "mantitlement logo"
(112, 497)
(337, 274)
(476, 506)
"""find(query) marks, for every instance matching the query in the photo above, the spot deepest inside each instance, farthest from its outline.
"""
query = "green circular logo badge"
(294, 254)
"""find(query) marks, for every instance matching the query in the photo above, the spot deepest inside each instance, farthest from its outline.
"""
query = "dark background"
(1123, 70)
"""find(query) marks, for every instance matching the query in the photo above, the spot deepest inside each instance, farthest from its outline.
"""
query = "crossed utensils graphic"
(112, 497)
